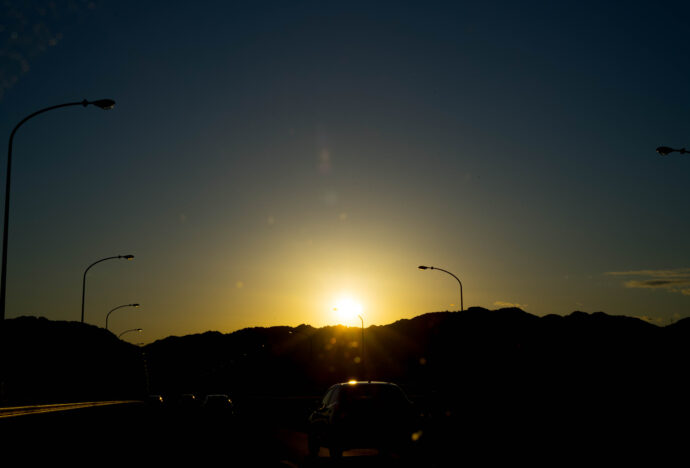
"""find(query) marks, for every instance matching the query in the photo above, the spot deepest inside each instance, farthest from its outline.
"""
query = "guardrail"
(14, 411)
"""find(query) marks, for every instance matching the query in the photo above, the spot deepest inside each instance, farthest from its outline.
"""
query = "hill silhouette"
(507, 355)
(47, 361)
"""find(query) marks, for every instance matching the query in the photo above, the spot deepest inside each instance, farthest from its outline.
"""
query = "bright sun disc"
(347, 310)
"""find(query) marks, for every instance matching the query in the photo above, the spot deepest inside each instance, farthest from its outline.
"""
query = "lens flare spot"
(324, 161)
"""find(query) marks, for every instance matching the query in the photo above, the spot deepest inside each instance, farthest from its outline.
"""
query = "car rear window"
(379, 394)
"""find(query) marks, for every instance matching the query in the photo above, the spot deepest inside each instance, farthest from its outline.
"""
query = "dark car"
(218, 404)
(154, 401)
(188, 402)
(361, 415)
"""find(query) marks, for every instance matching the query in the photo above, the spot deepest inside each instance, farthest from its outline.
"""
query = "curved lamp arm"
(83, 284)
(127, 331)
(103, 104)
(118, 307)
(422, 267)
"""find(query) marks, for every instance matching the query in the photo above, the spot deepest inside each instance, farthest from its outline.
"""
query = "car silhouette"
(218, 403)
(154, 401)
(188, 402)
(359, 414)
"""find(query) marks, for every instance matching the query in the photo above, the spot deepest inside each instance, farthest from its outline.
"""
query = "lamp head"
(422, 267)
(134, 305)
(664, 150)
(127, 257)
(105, 104)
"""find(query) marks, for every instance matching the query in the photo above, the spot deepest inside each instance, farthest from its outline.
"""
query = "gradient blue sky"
(266, 159)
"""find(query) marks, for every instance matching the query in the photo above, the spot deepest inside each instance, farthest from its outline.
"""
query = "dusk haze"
(489, 197)
(266, 160)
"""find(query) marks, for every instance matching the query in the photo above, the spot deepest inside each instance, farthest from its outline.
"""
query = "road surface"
(134, 434)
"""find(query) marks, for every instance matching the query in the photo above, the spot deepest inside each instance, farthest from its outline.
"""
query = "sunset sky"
(268, 162)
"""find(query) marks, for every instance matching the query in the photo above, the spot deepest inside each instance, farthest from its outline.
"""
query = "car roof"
(364, 382)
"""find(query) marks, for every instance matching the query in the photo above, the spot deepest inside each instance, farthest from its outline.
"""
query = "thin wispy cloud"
(503, 304)
(673, 280)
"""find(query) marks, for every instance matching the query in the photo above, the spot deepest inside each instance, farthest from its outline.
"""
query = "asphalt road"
(135, 434)
(14, 411)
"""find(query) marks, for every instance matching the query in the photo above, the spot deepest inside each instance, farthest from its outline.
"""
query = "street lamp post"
(103, 104)
(422, 267)
(118, 307)
(361, 345)
(83, 284)
(127, 331)
(665, 150)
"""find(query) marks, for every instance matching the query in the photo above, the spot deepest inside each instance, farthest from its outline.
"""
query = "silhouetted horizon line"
(467, 311)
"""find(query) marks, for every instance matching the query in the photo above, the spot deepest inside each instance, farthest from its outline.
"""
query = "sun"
(347, 309)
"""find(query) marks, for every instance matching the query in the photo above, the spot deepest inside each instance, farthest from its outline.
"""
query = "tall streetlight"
(113, 310)
(665, 150)
(422, 267)
(361, 345)
(103, 104)
(127, 331)
(83, 284)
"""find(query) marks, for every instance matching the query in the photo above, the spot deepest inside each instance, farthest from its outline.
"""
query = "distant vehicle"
(154, 401)
(361, 415)
(188, 401)
(218, 403)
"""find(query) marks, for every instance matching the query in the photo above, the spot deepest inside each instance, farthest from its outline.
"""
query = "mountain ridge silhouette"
(477, 351)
